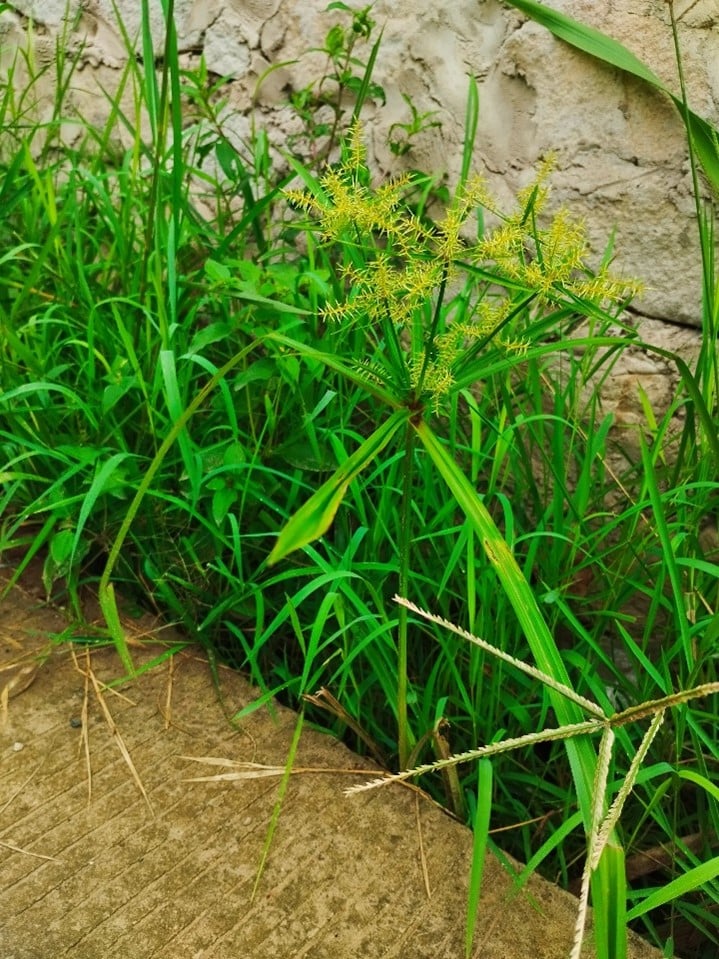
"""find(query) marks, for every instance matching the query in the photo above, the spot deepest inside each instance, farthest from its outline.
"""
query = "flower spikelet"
(491, 316)
(549, 260)
(504, 246)
(437, 376)
(355, 157)
(532, 199)
(519, 346)
(473, 194)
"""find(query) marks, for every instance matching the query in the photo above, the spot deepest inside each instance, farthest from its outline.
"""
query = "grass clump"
(243, 393)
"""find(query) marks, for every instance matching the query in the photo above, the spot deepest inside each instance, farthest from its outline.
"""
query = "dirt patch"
(106, 849)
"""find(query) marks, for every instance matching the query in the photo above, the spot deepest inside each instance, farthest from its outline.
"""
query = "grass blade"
(479, 848)
(281, 791)
(615, 54)
(106, 592)
(668, 552)
(580, 752)
(689, 881)
(315, 517)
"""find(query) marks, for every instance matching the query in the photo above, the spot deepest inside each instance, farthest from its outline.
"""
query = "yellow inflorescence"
(403, 263)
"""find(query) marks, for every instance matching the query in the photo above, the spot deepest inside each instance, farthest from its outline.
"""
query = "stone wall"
(621, 153)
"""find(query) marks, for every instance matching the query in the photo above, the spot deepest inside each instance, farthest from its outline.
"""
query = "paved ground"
(107, 851)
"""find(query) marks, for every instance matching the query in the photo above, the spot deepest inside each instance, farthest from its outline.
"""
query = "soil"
(108, 848)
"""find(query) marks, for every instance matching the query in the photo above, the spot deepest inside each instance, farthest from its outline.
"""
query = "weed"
(186, 363)
(322, 104)
(603, 822)
(401, 135)
(420, 349)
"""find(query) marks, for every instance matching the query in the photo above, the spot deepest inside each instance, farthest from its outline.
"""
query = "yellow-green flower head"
(396, 268)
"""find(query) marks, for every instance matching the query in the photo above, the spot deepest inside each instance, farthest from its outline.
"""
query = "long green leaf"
(515, 585)
(687, 882)
(277, 809)
(97, 487)
(315, 517)
(611, 938)
(690, 776)
(588, 39)
(609, 897)
(354, 374)
(479, 848)
(681, 620)
(366, 78)
(602, 47)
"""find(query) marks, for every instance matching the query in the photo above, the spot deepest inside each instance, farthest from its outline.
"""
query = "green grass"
(181, 420)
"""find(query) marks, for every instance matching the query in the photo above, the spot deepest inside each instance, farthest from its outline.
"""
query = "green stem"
(429, 343)
(404, 737)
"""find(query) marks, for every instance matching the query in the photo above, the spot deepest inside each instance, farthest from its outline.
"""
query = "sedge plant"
(438, 314)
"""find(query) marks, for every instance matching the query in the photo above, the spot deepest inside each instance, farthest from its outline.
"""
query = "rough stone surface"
(621, 153)
(90, 868)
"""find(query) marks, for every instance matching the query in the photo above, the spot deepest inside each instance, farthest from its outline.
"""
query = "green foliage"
(401, 135)
(602, 821)
(322, 104)
(421, 343)
(265, 419)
